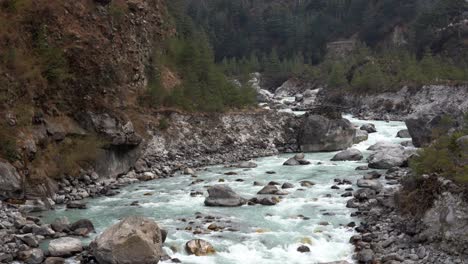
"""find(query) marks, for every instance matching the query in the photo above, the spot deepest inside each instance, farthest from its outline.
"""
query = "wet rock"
(223, 195)
(307, 184)
(361, 135)
(135, 239)
(349, 154)
(369, 128)
(298, 159)
(269, 189)
(287, 185)
(82, 227)
(360, 168)
(199, 247)
(189, 171)
(403, 134)
(64, 247)
(303, 249)
(76, 205)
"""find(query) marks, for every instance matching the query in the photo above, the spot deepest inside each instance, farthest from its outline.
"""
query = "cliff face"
(71, 78)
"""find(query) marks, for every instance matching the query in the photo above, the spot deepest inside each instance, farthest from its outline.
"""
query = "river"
(258, 234)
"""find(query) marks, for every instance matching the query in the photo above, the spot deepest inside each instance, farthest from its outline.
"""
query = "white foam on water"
(269, 234)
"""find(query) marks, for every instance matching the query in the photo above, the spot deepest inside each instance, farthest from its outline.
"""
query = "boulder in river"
(320, 133)
(135, 239)
(361, 135)
(370, 128)
(223, 195)
(65, 246)
(199, 247)
(76, 205)
(349, 154)
(82, 227)
(298, 159)
(403, 134)
(269, 189)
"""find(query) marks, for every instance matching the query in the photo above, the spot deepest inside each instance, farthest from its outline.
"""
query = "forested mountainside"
(280, 37)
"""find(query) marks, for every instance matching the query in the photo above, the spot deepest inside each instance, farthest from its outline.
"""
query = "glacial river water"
(266, 234)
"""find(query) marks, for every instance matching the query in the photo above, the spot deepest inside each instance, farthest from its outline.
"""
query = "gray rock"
(82, 227)
(372, 184)
(61, 224)
(10, 181)
(370, 128)
(361, 135)
(319, 133)
(76, 205)
(32, 256)
(287, 185)
(65, 246)
(29, 239)
(403, 134)
(349, 154)
(54, 260)
(135, 239)
(303, 249)
(269, 189)
(223, 195)
(199, 247)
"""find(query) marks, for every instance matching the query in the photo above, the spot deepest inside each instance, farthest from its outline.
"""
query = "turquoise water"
(266, 234)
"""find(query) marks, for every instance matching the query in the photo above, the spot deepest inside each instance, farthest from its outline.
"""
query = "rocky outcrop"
(200, 140)
(135, 239)
(224, 196)
(402, 104)
(11, 182)
(319, 133)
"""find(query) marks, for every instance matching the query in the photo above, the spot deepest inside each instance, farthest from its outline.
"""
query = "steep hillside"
(71, 75)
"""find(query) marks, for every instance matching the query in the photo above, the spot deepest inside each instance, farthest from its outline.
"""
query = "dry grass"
(69, 156)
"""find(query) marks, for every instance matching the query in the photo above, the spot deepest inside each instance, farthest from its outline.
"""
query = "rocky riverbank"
(391, 233)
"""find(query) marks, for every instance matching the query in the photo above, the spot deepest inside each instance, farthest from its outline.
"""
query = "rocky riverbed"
(300, 212)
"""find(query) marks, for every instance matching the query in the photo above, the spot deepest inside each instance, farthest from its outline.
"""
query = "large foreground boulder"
(320, 133)
(10, 181)
(349, 154)
(223, 195)
(135, 239)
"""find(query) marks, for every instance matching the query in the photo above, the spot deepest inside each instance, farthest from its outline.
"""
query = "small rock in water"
(365, 167)
(256, 183)
(287, 185)
(370, 128)
(274, 183)
(246, 165)
(303, 249)
(199, 247)
(307, 184)
(270, 172)
(230, 173)
(76, 205)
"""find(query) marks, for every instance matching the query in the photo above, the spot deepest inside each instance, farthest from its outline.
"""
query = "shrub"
(163, 123)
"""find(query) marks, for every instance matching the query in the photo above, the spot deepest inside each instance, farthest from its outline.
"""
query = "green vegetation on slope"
(202, 85)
